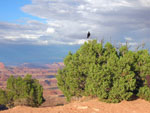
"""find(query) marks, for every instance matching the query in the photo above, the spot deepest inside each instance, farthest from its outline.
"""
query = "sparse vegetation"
(106, 72)
(22, 91)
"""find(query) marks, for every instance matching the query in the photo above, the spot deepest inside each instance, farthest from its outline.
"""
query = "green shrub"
(105, 72)
(22, 91)
(144, 93)
(3, 97)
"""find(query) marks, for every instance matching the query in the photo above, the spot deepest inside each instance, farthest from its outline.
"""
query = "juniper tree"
(3, 97)
(143, 71)
(106, 73)
(26, 91)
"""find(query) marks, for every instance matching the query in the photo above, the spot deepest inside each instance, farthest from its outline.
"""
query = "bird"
(88, 35)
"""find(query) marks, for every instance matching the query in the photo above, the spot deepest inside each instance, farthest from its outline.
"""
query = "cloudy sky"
(63, 24)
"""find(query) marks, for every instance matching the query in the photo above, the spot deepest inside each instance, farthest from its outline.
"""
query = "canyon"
(46, 74)
(55, 100)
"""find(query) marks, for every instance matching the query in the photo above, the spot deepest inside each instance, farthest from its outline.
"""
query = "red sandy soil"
(90, 106)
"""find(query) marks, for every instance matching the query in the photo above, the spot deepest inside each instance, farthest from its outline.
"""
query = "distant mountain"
(42, 66)
(33, 65)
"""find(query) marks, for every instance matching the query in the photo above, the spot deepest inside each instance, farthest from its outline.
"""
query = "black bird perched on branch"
(88, 34)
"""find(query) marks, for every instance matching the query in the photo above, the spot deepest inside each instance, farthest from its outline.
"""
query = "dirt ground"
(90, 106)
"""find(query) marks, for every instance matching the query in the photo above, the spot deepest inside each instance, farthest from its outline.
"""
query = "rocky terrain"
(46, 74)
(90, 106)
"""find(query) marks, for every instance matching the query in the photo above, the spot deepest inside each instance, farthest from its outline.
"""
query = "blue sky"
(61, 26)
(10, 10)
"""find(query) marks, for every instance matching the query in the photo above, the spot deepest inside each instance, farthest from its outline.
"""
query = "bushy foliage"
(22, 91)
(3, 97)
(103, 71)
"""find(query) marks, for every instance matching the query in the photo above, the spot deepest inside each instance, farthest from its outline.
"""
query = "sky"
(52, 28)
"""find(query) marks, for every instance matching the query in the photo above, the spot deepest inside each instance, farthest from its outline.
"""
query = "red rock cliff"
(2, 66)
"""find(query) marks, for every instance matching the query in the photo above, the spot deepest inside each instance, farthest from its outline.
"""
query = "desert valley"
(46, 74)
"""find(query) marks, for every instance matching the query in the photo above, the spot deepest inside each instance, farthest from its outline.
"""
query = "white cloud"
(133, 43)
(78, 42)
(128, 38)
(130, 44)
(50, 30)
(42, 42)
(67, 21)
(13, 38)
(145, 3)
(30, 32)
